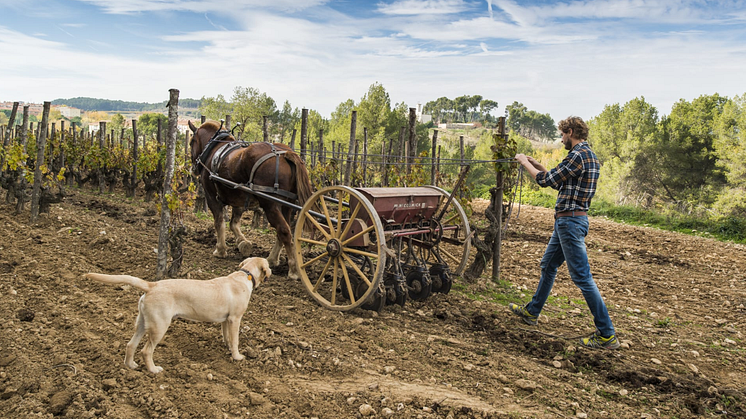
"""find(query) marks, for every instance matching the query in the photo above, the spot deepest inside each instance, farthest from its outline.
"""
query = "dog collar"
(251, 277)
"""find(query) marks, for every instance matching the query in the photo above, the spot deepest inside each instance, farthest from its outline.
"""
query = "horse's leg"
(277, 220)
(274, 254)
(243, 244)
(221, 250)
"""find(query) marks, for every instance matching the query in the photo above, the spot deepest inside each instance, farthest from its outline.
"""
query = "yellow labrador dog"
(220, 300)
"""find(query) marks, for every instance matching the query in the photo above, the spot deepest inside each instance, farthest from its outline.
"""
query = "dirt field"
(677, 302)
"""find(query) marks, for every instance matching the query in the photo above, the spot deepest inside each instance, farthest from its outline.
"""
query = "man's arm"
(532, 166)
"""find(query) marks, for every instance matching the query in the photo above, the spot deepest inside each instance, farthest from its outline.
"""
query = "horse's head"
(201, 137)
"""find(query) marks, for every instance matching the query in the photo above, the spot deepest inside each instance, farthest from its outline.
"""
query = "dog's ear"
(244, 263)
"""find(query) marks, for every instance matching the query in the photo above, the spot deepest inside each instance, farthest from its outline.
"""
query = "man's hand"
(532, 166)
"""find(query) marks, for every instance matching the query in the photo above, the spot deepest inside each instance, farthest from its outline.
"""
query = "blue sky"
(557, 57)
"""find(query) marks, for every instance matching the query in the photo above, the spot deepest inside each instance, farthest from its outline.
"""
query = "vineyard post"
(412, 139)
(11, 124)
(383, 163)
(51, 145)
(303, 133)
(432, 157)
(24, 127)
(122, 143)
(322, 149)
(265, 129)
(159, 147)
(187, 151)
(461, 149)
(437, 166)
(339, 155)
(62, 144)
(351, 148)
(334, 149)
(292, 139)
(173, 117)
(365, 156)
(387, 158)
(497, 245)
(102, 148)
(402, 144)
(38, 176)
(354, 160)
(111, 139)
(135, 144)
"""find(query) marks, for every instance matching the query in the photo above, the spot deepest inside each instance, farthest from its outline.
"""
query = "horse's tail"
(303, 186)
(302, 181)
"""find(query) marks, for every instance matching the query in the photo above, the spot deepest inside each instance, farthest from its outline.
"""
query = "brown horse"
(278, 167)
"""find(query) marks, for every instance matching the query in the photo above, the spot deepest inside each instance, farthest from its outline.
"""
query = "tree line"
(693, 159)
(108, 105)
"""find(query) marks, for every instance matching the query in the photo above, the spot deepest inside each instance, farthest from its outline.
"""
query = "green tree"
(624, 139)
(686, 152)
(117, 123)
(286, 120)
(247, 107)
(147, 124)
(730, 145)
(530, 124)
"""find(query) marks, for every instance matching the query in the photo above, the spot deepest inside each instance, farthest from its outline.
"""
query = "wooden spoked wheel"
(455, 245)
(341, 250)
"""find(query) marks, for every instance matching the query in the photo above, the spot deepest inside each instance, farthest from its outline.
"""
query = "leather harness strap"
(251, 277)
(224, 151)
(276, 190)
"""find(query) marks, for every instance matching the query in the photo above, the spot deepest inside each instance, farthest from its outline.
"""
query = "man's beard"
(568, 145)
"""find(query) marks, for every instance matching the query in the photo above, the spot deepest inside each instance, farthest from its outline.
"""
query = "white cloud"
(201, 6)
(662, 11)
(539, 56)
(423, 7)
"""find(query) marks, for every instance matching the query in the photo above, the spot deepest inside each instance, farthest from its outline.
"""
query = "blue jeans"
(568, 245)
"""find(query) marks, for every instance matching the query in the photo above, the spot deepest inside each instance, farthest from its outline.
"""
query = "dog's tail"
(138, 283)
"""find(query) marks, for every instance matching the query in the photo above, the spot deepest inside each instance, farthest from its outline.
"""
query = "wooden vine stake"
(41, 144)
(498, 197)
(163, 237)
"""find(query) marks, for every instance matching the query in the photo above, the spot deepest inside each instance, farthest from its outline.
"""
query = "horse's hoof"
(245, 248)
(219, 254)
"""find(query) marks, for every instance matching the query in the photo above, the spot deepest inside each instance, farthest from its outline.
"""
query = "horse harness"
(229, 147)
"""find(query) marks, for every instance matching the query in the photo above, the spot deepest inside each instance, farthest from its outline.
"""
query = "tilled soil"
(677, 302)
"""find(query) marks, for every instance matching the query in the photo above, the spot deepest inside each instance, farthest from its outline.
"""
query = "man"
(575, 178)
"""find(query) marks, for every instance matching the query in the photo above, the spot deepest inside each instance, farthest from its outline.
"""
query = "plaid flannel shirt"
(575, 178)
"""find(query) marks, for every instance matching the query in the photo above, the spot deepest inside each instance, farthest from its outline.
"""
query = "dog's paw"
(238, 357)
(156, 370)
(293, 276)
(132, 365)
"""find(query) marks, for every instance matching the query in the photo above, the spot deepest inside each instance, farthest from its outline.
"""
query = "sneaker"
(597, 341)
(521, 312)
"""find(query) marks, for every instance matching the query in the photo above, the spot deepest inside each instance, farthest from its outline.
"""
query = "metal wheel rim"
(464, 260)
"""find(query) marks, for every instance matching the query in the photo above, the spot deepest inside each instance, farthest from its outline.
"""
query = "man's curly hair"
(578, 126)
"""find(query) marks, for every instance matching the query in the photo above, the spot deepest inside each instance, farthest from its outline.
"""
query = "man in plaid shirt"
(575, 178)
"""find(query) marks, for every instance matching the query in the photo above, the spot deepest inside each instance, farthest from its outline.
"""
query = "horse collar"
(251, 277)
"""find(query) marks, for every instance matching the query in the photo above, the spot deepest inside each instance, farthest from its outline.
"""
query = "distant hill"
(107, 105)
